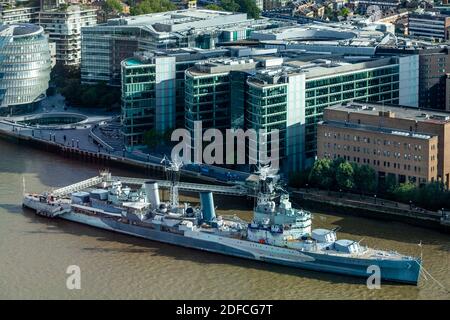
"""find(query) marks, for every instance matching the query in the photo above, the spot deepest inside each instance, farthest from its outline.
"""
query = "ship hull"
(404, 271)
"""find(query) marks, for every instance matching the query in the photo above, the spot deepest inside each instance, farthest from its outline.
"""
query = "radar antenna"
(268, 178)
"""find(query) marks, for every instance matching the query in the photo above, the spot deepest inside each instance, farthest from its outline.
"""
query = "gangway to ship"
(193, 187)
(237, 190)
(64, 191)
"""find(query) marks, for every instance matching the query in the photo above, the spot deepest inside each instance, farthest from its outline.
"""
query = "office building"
(429, 25)
(153, 95)
(290, 94)
(208, 93)
(106, 45)
(346, 37)
(25, 67)
(434, 66)
(403, 143)
(148, 97)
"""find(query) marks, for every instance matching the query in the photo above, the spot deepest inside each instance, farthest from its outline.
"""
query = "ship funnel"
(207, 202)
(152, 192)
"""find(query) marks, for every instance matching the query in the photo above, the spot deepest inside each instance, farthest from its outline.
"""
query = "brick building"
(408, 144)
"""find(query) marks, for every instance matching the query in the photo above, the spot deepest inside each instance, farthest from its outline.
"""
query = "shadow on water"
(51, 169)
(366, 227)
(143, 246)
(11, 208)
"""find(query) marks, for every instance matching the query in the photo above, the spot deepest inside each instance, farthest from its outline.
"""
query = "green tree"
(229, 5)
(110, 6)
(89, 97)
(151, 6)
(405, 192)
(249, 7)
(322, 174)
(215, 7)
(152, 138)
(432, 196)
(299, 179)
(365, 178)
(246, 6)
(344, 12)
(344, 175)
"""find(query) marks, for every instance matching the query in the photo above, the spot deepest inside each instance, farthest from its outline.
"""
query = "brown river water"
(35, 252)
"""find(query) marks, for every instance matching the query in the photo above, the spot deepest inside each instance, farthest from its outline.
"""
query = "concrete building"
(272, 4)
(185, 4)
(16, 15)
(337, 38)
(25, 67)
(105, 46)
(404, 143)
(429, 25)
(63, 25)
(384, 5)
(447, 89)
(434, 66)
(51, 4)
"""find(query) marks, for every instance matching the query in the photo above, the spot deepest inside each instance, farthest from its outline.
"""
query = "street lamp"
(375, 197)
(410, 204)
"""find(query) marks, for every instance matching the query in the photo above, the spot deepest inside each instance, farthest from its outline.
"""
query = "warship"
(278, 233)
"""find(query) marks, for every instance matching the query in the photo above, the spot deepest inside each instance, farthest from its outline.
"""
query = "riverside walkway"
(362, 203)
(87, 138)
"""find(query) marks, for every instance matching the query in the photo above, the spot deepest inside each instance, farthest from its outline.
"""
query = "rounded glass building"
(25, 66)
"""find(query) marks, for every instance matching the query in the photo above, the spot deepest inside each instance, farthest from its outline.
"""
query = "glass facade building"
(148, 97)
(104, 46)
(208, 91)
(208, 100)
(25, 66)
(374, 85)
(293, 100)
(291, 95)
(139, 94)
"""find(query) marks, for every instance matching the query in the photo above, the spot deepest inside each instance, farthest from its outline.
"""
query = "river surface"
(35, 252)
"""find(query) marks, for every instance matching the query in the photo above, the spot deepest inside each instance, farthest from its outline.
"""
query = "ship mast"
(172, 168)
(266, 183)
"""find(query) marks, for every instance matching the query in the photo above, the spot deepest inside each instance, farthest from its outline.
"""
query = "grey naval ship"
(277, 234)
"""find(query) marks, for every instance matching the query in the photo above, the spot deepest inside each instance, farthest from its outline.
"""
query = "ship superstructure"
(277, 233)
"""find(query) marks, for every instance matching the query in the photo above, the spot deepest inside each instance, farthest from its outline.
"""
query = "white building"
(9, 15)
(63, 25)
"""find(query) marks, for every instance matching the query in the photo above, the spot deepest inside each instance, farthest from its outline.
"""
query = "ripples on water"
(35, 252)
